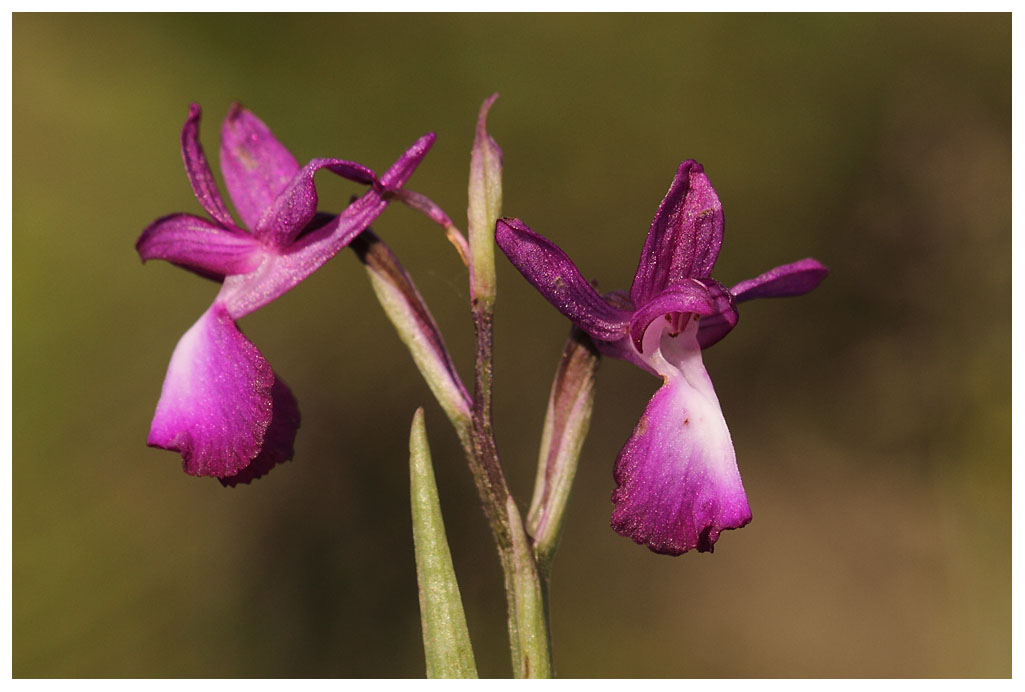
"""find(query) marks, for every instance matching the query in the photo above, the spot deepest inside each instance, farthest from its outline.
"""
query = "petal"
(282, 272)
(256, 166)
(714, 327)
(295, 207)
(279, 440)
(554, 275)
(792, 279)
(195, 243)
(678, 486)
(690, 296)
(216, 403)
(198, 170)
(685, 235)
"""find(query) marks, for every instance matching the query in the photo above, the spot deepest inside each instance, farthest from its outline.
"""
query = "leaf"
(447, 645)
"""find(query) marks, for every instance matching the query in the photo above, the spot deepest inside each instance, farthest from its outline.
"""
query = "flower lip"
(278, 441)
(677, 481)
(215, 405)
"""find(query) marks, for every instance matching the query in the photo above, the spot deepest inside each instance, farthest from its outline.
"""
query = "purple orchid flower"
(222, 405)
(678, 486)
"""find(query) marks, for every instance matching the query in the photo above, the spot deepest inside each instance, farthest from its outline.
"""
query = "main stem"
(529, 639)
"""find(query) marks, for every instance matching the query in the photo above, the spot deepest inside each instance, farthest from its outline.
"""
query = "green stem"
(529, 641)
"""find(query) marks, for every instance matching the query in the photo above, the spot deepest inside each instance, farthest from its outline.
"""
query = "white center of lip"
(676, 356)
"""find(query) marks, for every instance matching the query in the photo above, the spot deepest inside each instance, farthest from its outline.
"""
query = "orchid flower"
(222, 405)
(678, 486)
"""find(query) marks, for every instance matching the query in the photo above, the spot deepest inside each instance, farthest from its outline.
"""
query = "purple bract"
(222, 406)
(677, 481)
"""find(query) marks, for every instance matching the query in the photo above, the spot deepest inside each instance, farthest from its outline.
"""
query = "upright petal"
(256, 166)
(195, 243)
(216, 404)
(685, 235)
(295, 207)
(279, 440)
(554, 275)
(794, 279)
(198, 170)
(678, 483)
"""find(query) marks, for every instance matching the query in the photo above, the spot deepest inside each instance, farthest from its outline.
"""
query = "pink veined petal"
(282, 272)
(794, 279)
(295, 207)
(256, 166)
(713, 328)
(198, 170)
(553, 274)
(678, 486)
(216, 403)
(688, 296)
(278, 441)
(685, 235)
(198, 244)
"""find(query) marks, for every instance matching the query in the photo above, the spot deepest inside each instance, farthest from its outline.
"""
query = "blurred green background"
(871, 418)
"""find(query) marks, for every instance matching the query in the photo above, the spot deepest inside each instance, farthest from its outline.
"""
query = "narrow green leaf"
(446, 638)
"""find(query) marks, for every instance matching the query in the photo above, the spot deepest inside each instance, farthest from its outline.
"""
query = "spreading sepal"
(556, 277)
(794, 279)
(195, 243)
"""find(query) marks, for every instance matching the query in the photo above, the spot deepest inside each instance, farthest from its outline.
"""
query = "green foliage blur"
(871, 418)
